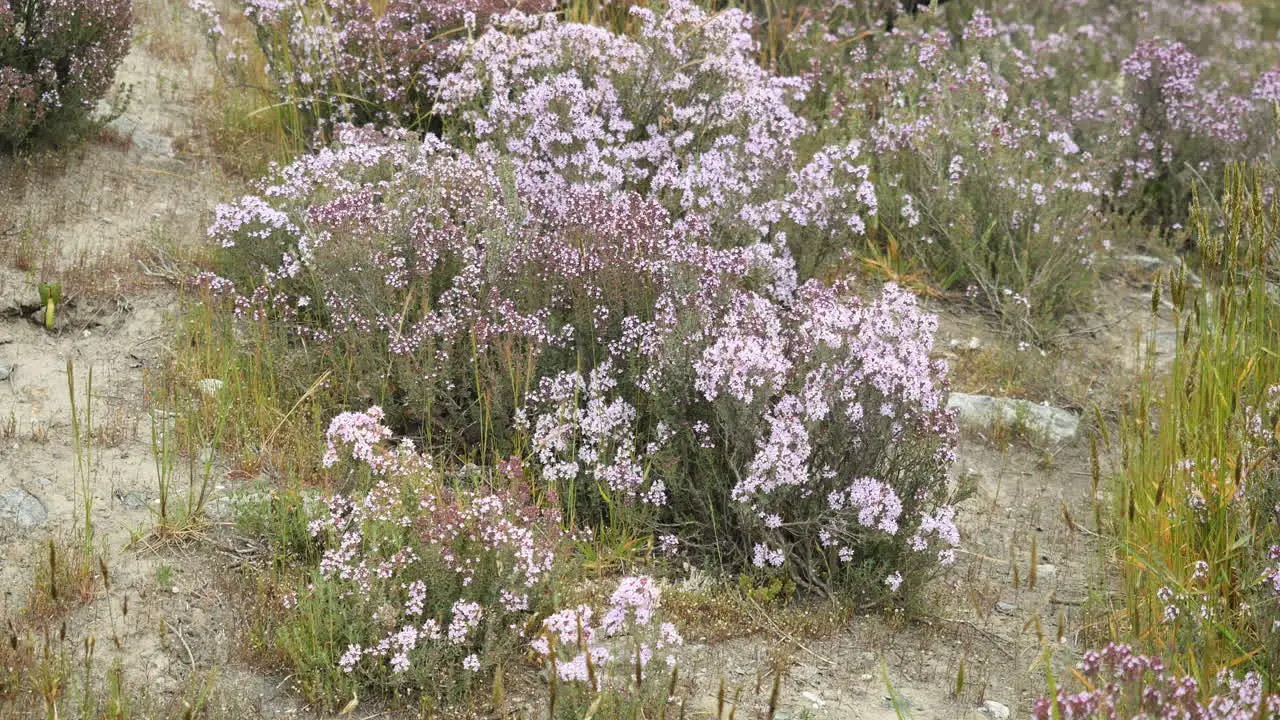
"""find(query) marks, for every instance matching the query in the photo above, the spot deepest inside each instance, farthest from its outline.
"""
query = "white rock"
(996, 710)
(1053, 424)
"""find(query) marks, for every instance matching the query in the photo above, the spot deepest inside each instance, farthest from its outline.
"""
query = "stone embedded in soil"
(1005, 608)
(17, 298)
(996, 710)
(1145, 263)
(22, 509)
(60, 321)
(1054, 424)
(133, 500)
(153, 144)
(147, 142)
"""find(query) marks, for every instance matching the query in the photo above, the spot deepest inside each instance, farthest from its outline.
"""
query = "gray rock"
(1005, 608)
(1145, 263)
(133, 500)
(17, 296)
(147, 142)
(153, 144)
(60, 321)
(124, 124)
(1053, 424)
(22, 508)
(996, 710)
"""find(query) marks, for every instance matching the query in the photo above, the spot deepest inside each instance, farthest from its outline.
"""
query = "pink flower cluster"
(680, 111)
(1027, 132)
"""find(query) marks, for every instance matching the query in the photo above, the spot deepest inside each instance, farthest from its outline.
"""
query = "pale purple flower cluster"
(58, 58)
(1127, 684)
(441, 568)
(578, 650)
(364, 60)
(1026, 132)
(680, 111)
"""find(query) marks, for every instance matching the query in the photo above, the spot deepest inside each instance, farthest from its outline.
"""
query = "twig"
(190, 657)
(995, 640)
(787, 635)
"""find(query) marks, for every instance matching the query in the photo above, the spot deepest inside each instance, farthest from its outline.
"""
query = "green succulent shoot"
(50, 296)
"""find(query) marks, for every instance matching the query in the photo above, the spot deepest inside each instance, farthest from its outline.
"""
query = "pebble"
(996, 710)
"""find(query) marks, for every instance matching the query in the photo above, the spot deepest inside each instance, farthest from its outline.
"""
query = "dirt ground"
(148, 183)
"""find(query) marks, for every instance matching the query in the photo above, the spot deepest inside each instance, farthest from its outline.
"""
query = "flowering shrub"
(978, 177)
(432, 584)
(57, 59)
(680, 112)
(1010, 142)
(362, 60)
(646, 375)
(590, 661)
(1123, 683)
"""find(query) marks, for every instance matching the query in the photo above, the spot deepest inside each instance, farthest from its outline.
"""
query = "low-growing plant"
(50, 296)
(1012, 142)
(57, 59)
(978, 178)
(676, 110)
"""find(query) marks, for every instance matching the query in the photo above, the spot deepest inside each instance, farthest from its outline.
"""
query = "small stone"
(1045, 571)
(867, 677)
(22, 508)
(996, 710)
(1005, 608)
(210, 386)
(133, 500)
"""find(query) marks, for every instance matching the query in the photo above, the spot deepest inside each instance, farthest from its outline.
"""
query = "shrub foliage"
(57, 59)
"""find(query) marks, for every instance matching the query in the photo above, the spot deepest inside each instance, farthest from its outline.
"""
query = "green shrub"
(57, 59)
